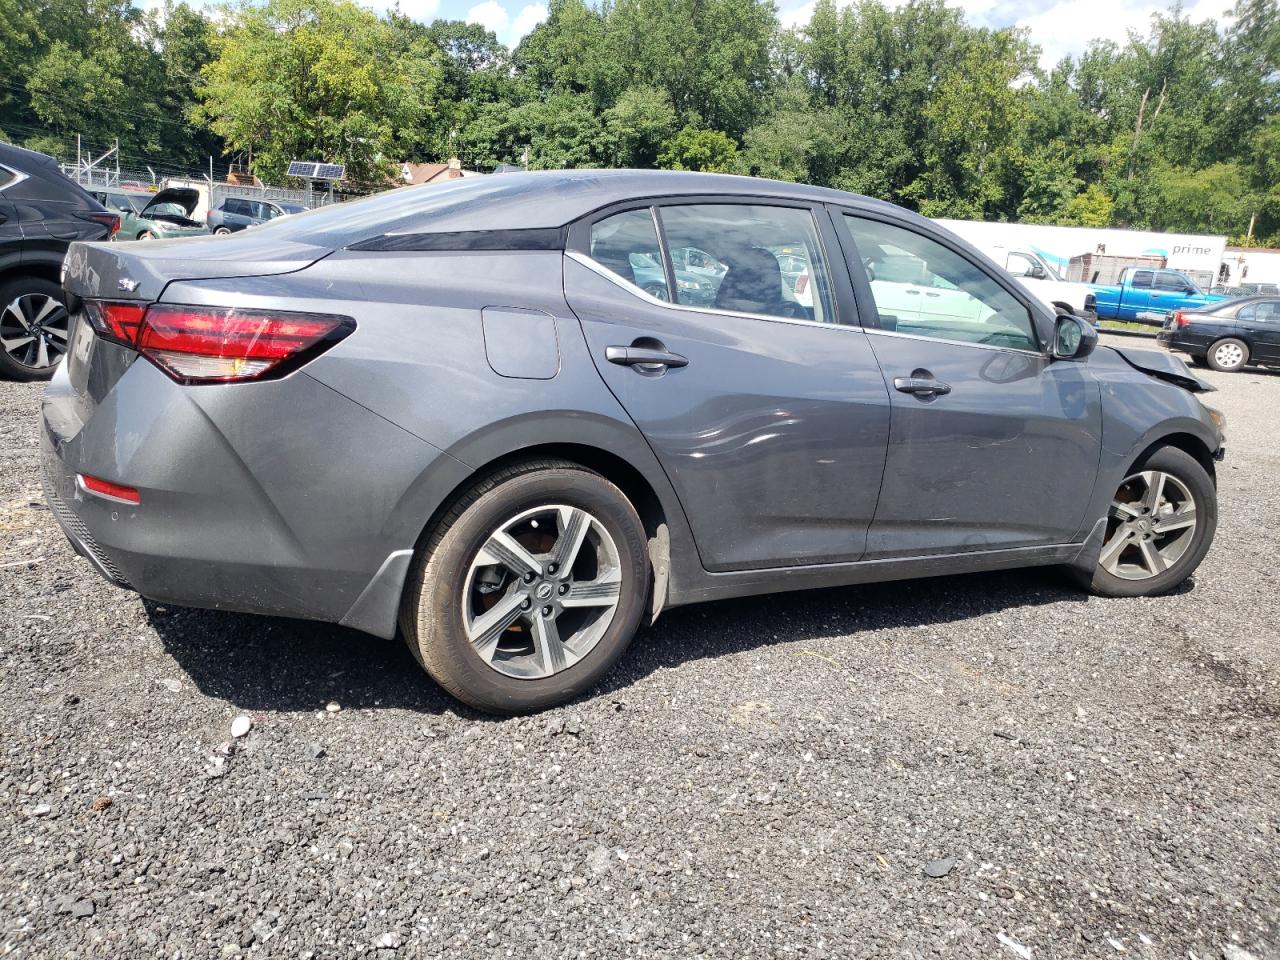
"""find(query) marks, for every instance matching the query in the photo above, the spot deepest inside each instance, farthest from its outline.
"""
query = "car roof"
(532, 200)
(13, 155)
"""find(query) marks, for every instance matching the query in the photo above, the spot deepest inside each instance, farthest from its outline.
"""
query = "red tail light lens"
(223, 345)
(116, 321)
(109, 220)
(218, 344)
(1179, 319)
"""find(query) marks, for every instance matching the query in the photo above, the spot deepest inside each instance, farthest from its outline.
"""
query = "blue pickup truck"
(1145, 295)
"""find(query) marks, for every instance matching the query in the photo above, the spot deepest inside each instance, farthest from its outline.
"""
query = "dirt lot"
(759, 779)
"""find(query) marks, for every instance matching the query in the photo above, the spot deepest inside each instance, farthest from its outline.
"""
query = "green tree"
(639, 122)
(319, 79)
(693, 148)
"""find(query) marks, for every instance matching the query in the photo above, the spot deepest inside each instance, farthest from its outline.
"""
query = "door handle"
(921, 386)
(639, 356)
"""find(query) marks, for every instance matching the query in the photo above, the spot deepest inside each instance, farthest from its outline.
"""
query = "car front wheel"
(1159, 527)
(529, 589)
(222, 231)
(33, 328)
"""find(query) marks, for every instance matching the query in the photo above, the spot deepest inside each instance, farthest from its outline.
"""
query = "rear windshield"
(402, 209)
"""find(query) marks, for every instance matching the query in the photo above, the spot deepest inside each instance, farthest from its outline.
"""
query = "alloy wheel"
(542, 591)
(1151, 523)
(34, 330)
(1229, 355)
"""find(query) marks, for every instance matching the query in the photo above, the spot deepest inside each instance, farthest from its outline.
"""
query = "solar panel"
(301, 168)
(330, 171)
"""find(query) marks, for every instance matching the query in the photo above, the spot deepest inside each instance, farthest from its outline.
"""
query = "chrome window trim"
(635, 291)
(18, 177)
(959, 343)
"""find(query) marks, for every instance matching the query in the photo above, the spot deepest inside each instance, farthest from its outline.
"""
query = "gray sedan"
(456, 412)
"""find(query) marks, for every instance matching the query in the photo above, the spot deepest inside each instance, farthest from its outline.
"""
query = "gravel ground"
(767, 778)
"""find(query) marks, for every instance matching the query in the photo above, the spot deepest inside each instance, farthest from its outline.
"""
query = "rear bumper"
(279, 498)
(1170, 341)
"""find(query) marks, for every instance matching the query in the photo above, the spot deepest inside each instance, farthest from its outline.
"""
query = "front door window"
(924, 288)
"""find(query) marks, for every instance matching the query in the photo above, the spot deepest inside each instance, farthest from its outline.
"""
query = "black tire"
(16, 292)
(1185, 468)
(432, 615)
(1198, 361)
(1212, 358)
(146, 235)
(222, 231)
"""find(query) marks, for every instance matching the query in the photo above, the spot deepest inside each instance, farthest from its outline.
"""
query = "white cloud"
(529, 17)
(491, 15)
(1058, 27)
(424, 11)
(1068, 27)
(494, 16)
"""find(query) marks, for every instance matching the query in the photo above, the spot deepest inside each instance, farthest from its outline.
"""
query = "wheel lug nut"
(564, 588)
(551, 568)
(528, 577)
(546, 611)
(525, 604)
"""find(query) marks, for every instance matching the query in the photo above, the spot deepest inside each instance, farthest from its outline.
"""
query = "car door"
(1136, 296)
(991, 445)
(1168, 289)
(770, 417)
(1261, 320)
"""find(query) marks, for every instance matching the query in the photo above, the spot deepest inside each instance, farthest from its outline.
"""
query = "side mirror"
(1037, 272)
(1073, 338)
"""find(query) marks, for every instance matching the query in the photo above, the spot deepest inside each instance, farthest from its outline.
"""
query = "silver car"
(457, 412)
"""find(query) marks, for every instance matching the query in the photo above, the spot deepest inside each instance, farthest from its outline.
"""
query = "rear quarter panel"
(417, 358)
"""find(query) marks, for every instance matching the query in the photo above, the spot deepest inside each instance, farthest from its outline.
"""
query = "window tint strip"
(542, 238)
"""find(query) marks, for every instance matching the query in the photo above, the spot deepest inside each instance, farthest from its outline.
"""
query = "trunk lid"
(141, 271)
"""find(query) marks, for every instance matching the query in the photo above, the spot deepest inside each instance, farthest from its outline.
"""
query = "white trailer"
(1197, 255)
(1249, 265)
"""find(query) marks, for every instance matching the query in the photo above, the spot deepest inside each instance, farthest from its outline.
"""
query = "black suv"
(41, 213)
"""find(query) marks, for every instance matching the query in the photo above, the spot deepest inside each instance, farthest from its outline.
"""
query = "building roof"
(416, 173)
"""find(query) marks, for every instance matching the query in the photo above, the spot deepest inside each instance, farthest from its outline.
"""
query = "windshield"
(1050, 269)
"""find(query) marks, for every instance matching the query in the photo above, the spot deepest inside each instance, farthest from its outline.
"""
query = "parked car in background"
(456, 413)
(122, 200)
(163, 215)
(232, 214)
(41, 214)
(1148, 296)
(1228, 335)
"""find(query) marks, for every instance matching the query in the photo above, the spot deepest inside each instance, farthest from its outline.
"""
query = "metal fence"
(105, 172)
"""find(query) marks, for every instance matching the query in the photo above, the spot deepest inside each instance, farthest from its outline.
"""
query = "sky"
(1059, 27)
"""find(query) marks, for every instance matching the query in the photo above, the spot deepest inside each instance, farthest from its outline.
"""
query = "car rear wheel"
(222, 231)
(1228, 355)
(1159, 527)
(529, 589)
(33, 328)
(146, 235)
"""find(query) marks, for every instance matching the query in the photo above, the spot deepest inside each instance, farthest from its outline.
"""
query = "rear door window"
(1142, 280)
(1171, 281)
(748, 259)
(626, 244)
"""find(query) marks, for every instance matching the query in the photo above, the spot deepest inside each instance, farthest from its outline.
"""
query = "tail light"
(218, 344)
(109, 220)
(1180, 319)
